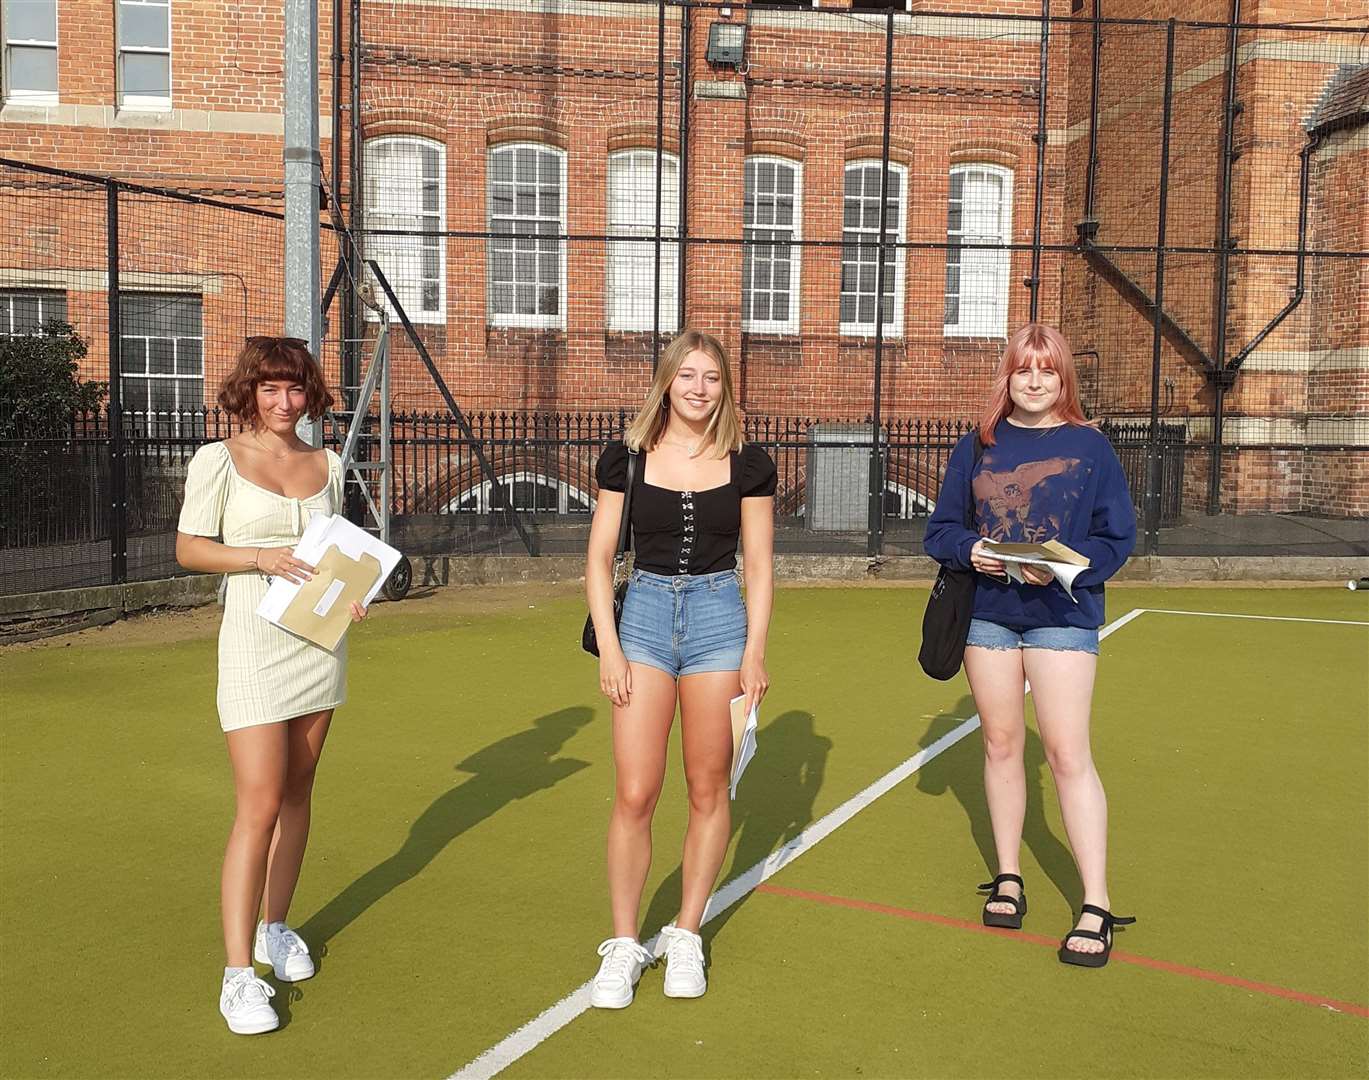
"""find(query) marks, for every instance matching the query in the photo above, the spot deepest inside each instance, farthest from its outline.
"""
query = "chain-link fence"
(553, 190)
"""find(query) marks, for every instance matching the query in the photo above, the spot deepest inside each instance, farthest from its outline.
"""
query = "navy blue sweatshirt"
(1037, 484)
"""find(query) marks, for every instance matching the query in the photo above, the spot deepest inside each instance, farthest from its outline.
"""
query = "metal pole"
(118, 467)
(1034, 282)
(303, 171)
(349, 368)
(683, 174)
(660, 151)
(875, 519)
(1152, 495)
(1219, 383)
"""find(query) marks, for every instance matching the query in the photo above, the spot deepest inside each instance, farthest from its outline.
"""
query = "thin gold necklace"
(266, 450)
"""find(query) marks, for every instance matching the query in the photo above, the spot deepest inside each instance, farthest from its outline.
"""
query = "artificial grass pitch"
(454, 885)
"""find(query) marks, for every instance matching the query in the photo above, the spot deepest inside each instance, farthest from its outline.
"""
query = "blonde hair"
(724, 432)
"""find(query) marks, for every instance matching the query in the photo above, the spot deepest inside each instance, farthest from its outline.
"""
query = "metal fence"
(861, 208)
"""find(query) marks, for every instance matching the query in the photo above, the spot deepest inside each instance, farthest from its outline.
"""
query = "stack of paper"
(743, 739)
(351, 565)
(1062, 561)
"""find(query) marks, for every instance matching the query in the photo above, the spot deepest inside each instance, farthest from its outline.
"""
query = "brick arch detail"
(981, 151)
(511, 117)
(776, 143)
(863, 145)
(640, 136)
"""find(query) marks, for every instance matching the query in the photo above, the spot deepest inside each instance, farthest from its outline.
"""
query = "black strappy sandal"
(1003, 919)
(1103, 934)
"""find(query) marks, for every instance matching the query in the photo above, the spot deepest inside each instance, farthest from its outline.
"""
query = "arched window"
(632, 285)
(406, 190)
(770, 260)
(528, 492)
(979, 226)
(527, 213)
(860, 249)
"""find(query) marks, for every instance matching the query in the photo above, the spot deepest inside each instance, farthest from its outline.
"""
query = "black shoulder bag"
(946, 622)
(589, 641)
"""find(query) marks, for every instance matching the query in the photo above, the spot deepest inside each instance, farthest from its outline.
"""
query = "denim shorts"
(990, 635)
(685, 623)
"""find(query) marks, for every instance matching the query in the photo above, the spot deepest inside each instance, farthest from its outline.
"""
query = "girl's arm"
(1112, 525)
(211, 557)
(615, 676)
(758, 572)
(947, 540)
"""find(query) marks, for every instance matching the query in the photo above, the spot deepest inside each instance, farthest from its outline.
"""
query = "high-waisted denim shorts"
(684, 624)
(990, 635)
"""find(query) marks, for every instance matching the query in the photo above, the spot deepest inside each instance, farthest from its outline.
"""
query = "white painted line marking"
(1264, 618)
(547, 1023)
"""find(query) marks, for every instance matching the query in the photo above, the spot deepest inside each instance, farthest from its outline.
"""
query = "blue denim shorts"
(685, 623)
(990, 635)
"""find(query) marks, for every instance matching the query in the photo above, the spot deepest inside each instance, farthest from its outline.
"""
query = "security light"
(726, 43)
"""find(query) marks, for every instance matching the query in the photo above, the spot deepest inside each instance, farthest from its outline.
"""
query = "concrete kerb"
(27, 616)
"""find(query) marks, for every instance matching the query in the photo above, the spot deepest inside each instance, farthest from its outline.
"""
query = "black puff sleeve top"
(688, 532)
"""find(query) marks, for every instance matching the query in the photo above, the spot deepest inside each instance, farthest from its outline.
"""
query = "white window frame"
(182, 424)
(143, 102)
(384, 248)
(513, 319)
(894, 326)
(791, 324)
(40, 293)
(623, 257)
(484, 495)
(32, 97)
(979, 323)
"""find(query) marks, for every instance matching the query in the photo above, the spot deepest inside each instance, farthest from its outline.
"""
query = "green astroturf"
(454, 883)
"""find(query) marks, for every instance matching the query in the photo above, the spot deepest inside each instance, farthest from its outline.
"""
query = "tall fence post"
(875, 520)
(1043, 84)
(303, 173)
(118, 467)
(1151, 505)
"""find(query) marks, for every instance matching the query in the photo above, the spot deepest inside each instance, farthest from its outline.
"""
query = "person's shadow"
(963, 776)
(512, 768)
(774, 804)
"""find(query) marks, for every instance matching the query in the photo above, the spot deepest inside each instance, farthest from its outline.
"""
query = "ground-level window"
(24, 311)
(978, 228)
(161, 362)
(632, 285)
(405, 219)
(860, 249)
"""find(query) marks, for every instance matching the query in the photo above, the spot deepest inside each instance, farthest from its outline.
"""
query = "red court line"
(1037, 939)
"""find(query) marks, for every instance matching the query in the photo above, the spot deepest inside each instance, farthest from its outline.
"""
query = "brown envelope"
(356, 576)
(738, 708)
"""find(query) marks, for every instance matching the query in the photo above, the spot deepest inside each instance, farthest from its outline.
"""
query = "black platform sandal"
(1003, 919)
(1103, 934)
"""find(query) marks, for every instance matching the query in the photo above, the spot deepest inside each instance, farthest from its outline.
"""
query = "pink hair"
(1048, 347)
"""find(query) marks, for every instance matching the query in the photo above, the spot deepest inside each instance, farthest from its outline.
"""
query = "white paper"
(1065, 573)
(320, 534)
(747, 750)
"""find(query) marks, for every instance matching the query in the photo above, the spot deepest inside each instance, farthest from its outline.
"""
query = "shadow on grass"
(963, 776)
(774, 804)
(512, 768)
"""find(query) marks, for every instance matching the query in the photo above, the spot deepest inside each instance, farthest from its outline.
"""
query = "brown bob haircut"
(273, 359)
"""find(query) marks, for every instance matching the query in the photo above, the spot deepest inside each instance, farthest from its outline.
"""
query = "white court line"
(547, 1023)
(1265, 618)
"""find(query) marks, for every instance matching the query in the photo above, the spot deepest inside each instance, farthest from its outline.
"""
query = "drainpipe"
(686, 19)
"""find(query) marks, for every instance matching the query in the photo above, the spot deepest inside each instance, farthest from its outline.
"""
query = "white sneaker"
(684, 963)
(624, 959)
(246, 1005)
(283, 949)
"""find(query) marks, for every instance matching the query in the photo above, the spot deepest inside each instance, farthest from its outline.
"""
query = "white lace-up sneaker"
(684, 963)
(283, 949)
(245, 1002)
(623, 961)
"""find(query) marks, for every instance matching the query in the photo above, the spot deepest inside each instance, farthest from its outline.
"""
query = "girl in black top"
(685, 637)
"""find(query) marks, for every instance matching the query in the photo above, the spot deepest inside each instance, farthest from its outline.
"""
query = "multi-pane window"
(772, 204)
(24, 311)
(527, 268)
(632, 284)
(860, 249)
(161, 362)
(979, 225)
(30, 28)
(405, 192)
(144, 54)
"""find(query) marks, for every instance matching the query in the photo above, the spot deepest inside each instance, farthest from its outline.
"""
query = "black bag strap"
(969, 483)
(625, 525)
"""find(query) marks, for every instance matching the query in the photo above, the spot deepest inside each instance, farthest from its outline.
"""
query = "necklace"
(268, 452)
(689, 448)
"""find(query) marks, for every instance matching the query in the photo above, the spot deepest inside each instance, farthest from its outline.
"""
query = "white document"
(319, 535)
(743, 739)
(1065, 573)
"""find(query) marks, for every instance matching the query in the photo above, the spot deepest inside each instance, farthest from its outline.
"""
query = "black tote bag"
(946, 622)
(589, 641)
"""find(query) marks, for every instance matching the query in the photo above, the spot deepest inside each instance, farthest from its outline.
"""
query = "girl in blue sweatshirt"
(1044, 473)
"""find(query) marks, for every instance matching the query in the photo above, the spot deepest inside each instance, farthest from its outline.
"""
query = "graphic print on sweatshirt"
(1031, 503)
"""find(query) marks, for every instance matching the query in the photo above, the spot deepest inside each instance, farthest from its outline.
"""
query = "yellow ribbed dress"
(265, 673)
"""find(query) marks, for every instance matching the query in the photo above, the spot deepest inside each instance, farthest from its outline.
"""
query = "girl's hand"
(1037, 575)
(281, 562)
(358, 611)
(615, 676)
(985, 563)
(755, 680)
